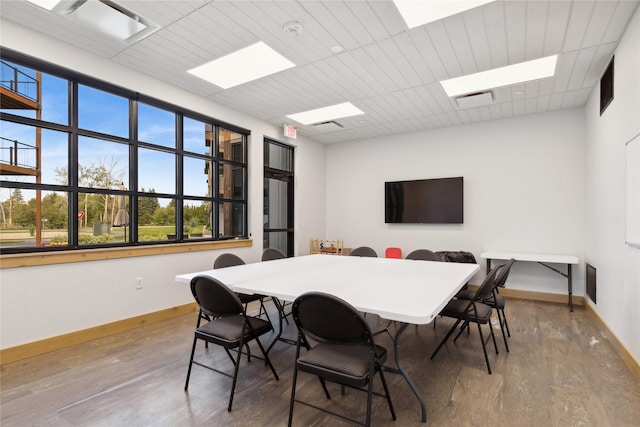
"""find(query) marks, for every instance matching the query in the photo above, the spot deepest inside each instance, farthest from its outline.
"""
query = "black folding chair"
(495, 300)
(345, 353)
(229, 328)
(423, 255)
(472, 310)
(231, 260)
(364, 251)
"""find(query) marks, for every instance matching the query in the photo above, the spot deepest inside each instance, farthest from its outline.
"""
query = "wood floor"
(561, 371)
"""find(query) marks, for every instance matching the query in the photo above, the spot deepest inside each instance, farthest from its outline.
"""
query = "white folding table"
(542, 259)
(407, 291)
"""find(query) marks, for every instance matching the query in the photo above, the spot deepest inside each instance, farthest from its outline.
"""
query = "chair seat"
(497, 302)
(246, 298)
(466, 294)
(227, 331)
(345, 364)
(458, 308)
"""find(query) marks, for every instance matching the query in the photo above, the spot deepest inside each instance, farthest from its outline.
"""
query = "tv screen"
(424, 201)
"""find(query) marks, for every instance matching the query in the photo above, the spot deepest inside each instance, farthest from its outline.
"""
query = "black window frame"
(74, 132)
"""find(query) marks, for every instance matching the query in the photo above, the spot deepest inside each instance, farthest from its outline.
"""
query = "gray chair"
(472, 311)
(345, 353)
(364, 251)
(271, 254)
(495, 300)
(229, 327)
(232, 260)
(423, 255)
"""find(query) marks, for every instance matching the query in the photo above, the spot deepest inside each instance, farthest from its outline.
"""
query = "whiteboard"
(633, 191)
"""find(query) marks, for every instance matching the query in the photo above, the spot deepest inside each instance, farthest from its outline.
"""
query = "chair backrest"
(227, 260)
(270, 254)
(215, 298)
(327, 318)
(501, 278)
(488, 285)
(423, 255)
(364, 251)
(393, 253)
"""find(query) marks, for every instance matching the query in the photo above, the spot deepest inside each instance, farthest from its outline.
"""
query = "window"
(278, 197)
(115, 168)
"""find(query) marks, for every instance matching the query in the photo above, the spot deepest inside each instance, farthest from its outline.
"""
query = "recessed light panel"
(416, 12)
(326, 114)
(503, 76)
(242, 66)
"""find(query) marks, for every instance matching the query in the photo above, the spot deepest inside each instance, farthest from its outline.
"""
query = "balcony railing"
(17, 153)
(16, 81)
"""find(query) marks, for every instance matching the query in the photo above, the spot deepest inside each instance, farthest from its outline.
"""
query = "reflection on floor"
(561, 371)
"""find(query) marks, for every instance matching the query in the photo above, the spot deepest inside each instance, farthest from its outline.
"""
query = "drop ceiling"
(390, 72)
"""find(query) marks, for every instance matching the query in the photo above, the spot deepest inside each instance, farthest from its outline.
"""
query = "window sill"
(36, 259)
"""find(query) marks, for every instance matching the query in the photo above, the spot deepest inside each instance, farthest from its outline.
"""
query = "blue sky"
(107, 113)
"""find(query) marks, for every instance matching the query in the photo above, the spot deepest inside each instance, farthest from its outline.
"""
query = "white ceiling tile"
(564, 68)
(457, 33)
(543, 104)
(602, 14)
(581, 67)
(386, 69)
(413, 58)
(536, 23)
(474, 115)
(619, 20)
(531, 105)
(369, 20)
(531, 89)
(506, 109)
(350, 22)
(496, 33)
(477, 36)
(389, 71)
(515, 16)
(401, 65)
(320, 11)
(555, 103)
(556, 28)
(579, 20)
(429, 54)
(442, 44)
(496, 111)
(569, 98)
(519, 108)
(389, 16)
(582, 97)
(600, 62)
(485, 113)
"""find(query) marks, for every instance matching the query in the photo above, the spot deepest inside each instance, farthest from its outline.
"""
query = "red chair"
(393, 253)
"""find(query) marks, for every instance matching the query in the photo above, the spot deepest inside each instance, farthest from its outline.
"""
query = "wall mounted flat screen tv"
(424, 201)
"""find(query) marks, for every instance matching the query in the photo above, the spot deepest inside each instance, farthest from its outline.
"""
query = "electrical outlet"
(139, 283)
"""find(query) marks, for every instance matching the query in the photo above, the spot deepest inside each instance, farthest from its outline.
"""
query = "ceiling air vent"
(477, 99)
(329, 126)
(107, 17)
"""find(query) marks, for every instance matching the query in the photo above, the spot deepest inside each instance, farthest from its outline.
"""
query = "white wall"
(617, 264)
(69, 297)
(524, 191)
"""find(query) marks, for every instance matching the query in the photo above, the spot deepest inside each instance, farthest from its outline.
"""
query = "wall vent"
(591, 282)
